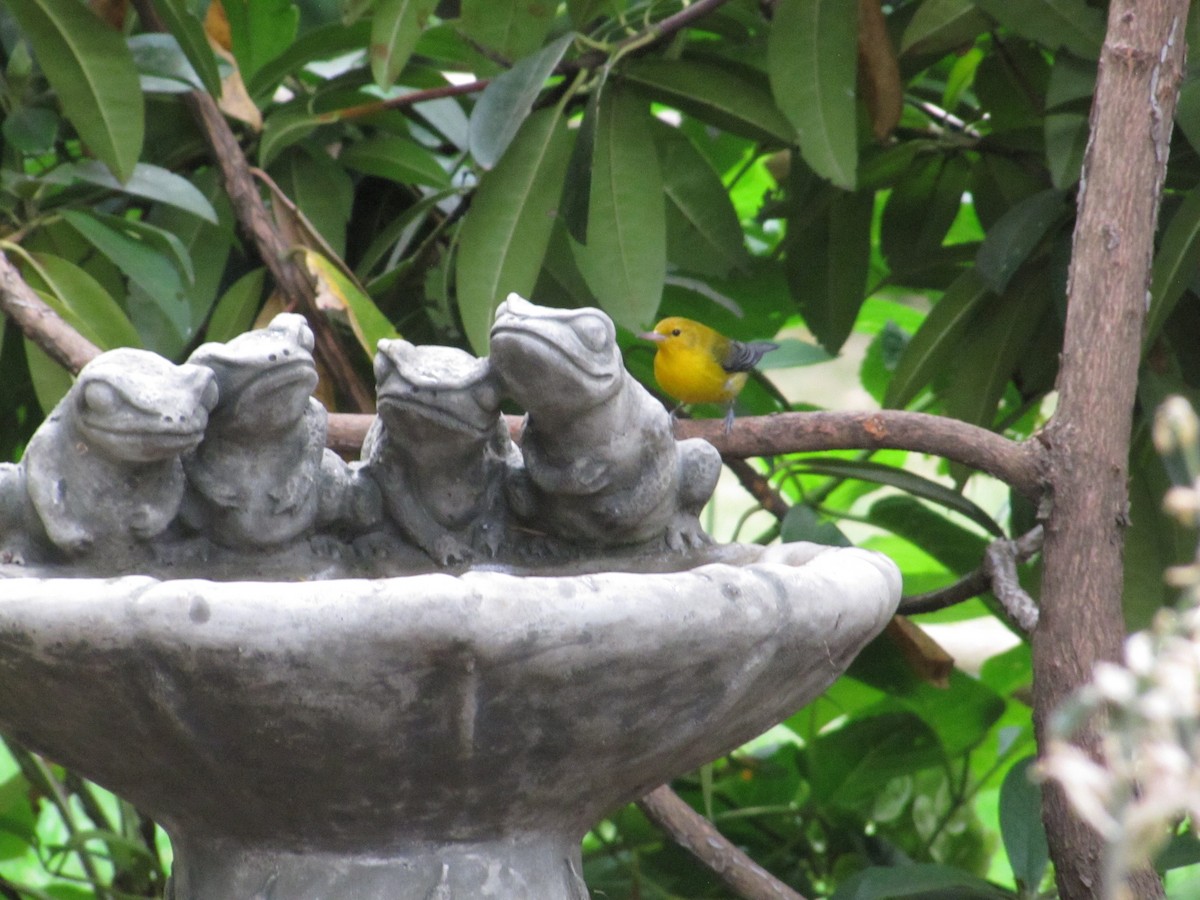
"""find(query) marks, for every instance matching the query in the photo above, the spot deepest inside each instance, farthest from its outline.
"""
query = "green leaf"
(82, 301)
(503, 240)
(625, 259)
(1021, 825)
(31, 129)
(1071, 79)
(1187, 111)
(1175, 264)
(793, 353)
(955, 547)
(803, 524)
(321, 43)
(235, 311)
(147, 181)
(577, 189)
(142, 263)
(703, 232)
(811, 58)
(260, 30)
(369, 325)
(50, 380)
(942, 25)
(91, 69)
(189, 32)
(1073, 24)
(161, 64)
(398, 159)
(922, 207)
(909, 482)
(321, 190)
(507, 100)
(732, 99)
(512, 28)
(937, 340)
(1010, 241)
(1066, 140)
(395, 27)
(285, 127)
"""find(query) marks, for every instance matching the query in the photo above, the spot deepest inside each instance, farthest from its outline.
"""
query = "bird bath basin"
(424, 736)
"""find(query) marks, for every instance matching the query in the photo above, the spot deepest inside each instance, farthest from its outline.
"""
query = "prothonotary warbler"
(695, 364)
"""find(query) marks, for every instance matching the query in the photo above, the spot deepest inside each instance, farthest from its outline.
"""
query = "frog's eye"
(489, 395)
(592, 333)
(208, 399)
(100, 397)
(305, 338)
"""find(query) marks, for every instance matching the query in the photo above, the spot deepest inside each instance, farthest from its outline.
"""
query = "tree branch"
(698, 836)
(40, 323)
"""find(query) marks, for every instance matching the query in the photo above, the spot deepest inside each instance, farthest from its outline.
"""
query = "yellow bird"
(695, 364)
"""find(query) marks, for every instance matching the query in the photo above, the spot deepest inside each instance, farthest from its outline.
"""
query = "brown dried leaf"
(925, 655)
(216, 26)
(111, 11)
(878, 71)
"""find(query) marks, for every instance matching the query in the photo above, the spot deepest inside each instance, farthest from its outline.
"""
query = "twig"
(1017, 464)
(997, 573)
(293, 282)
(759, 487)
(697, 835)
(40, 323)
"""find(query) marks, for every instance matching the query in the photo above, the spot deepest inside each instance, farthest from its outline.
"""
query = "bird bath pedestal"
(419, 677)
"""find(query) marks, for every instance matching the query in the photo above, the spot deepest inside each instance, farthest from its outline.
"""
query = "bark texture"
(1141, 65)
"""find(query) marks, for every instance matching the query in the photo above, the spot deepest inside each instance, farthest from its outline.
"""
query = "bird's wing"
(743, 356)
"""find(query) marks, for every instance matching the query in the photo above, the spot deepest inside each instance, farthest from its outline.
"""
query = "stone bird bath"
(448, 733)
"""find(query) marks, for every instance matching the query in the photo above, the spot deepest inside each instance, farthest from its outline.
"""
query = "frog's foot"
(182, 551)
(685, 533)
(447, 550)
(375, 545)
(326, 546)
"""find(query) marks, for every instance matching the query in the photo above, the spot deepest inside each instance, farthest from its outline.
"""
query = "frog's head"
(425, 388)
(265, 376)
(135, 406)
(555, 358)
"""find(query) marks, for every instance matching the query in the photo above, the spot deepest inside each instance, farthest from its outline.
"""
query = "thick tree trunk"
(1088, 439)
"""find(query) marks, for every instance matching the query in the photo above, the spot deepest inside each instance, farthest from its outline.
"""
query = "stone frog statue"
(102, 476)
(262, 477)
(438, 449)
(600, 462)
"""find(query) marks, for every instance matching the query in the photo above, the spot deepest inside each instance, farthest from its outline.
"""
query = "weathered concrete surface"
(428, 736)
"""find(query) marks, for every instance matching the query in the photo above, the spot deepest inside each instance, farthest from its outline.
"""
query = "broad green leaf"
(625, 259)
(90, 68)
(577, 189)
(147, 181)
(30, 129)
(369, 325)
(321, 189)
(1010, 241)
(189, 32)
(261, 30)
(811, 58)
(390, 239)
(924, 880)
(512, 28)
(506, 232)
(507, 100)
(1021, 825)
(906, 481)
(235, 311)
(397, 159)
(164, 242)
(284, 127)
(1071, 79)
(941, 25)
(803, 524)
(937, 340)
(703, 232)
(793, 353)
(921, 208)
(718, 95)
(82, 301)
(883, 355)
(50, 380)
(585, 12)
(161, 64)
(990, 350)
(142, 263)
(828, 254)
(1066, 140)
(1187, 111)
(321, 43)
(395, 27)
(958, 549)
(1073, 24)
(1175, 264)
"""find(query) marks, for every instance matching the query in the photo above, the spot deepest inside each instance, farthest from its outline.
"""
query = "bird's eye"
(676, 332)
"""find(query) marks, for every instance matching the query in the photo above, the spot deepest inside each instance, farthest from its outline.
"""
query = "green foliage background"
(738, 172)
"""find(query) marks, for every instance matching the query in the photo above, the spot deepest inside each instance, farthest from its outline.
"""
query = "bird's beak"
(652, 336)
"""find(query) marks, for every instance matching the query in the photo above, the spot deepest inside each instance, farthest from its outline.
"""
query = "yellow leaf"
(337, 292)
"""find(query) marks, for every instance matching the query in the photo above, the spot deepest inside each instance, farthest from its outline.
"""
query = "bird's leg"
(729, 419)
